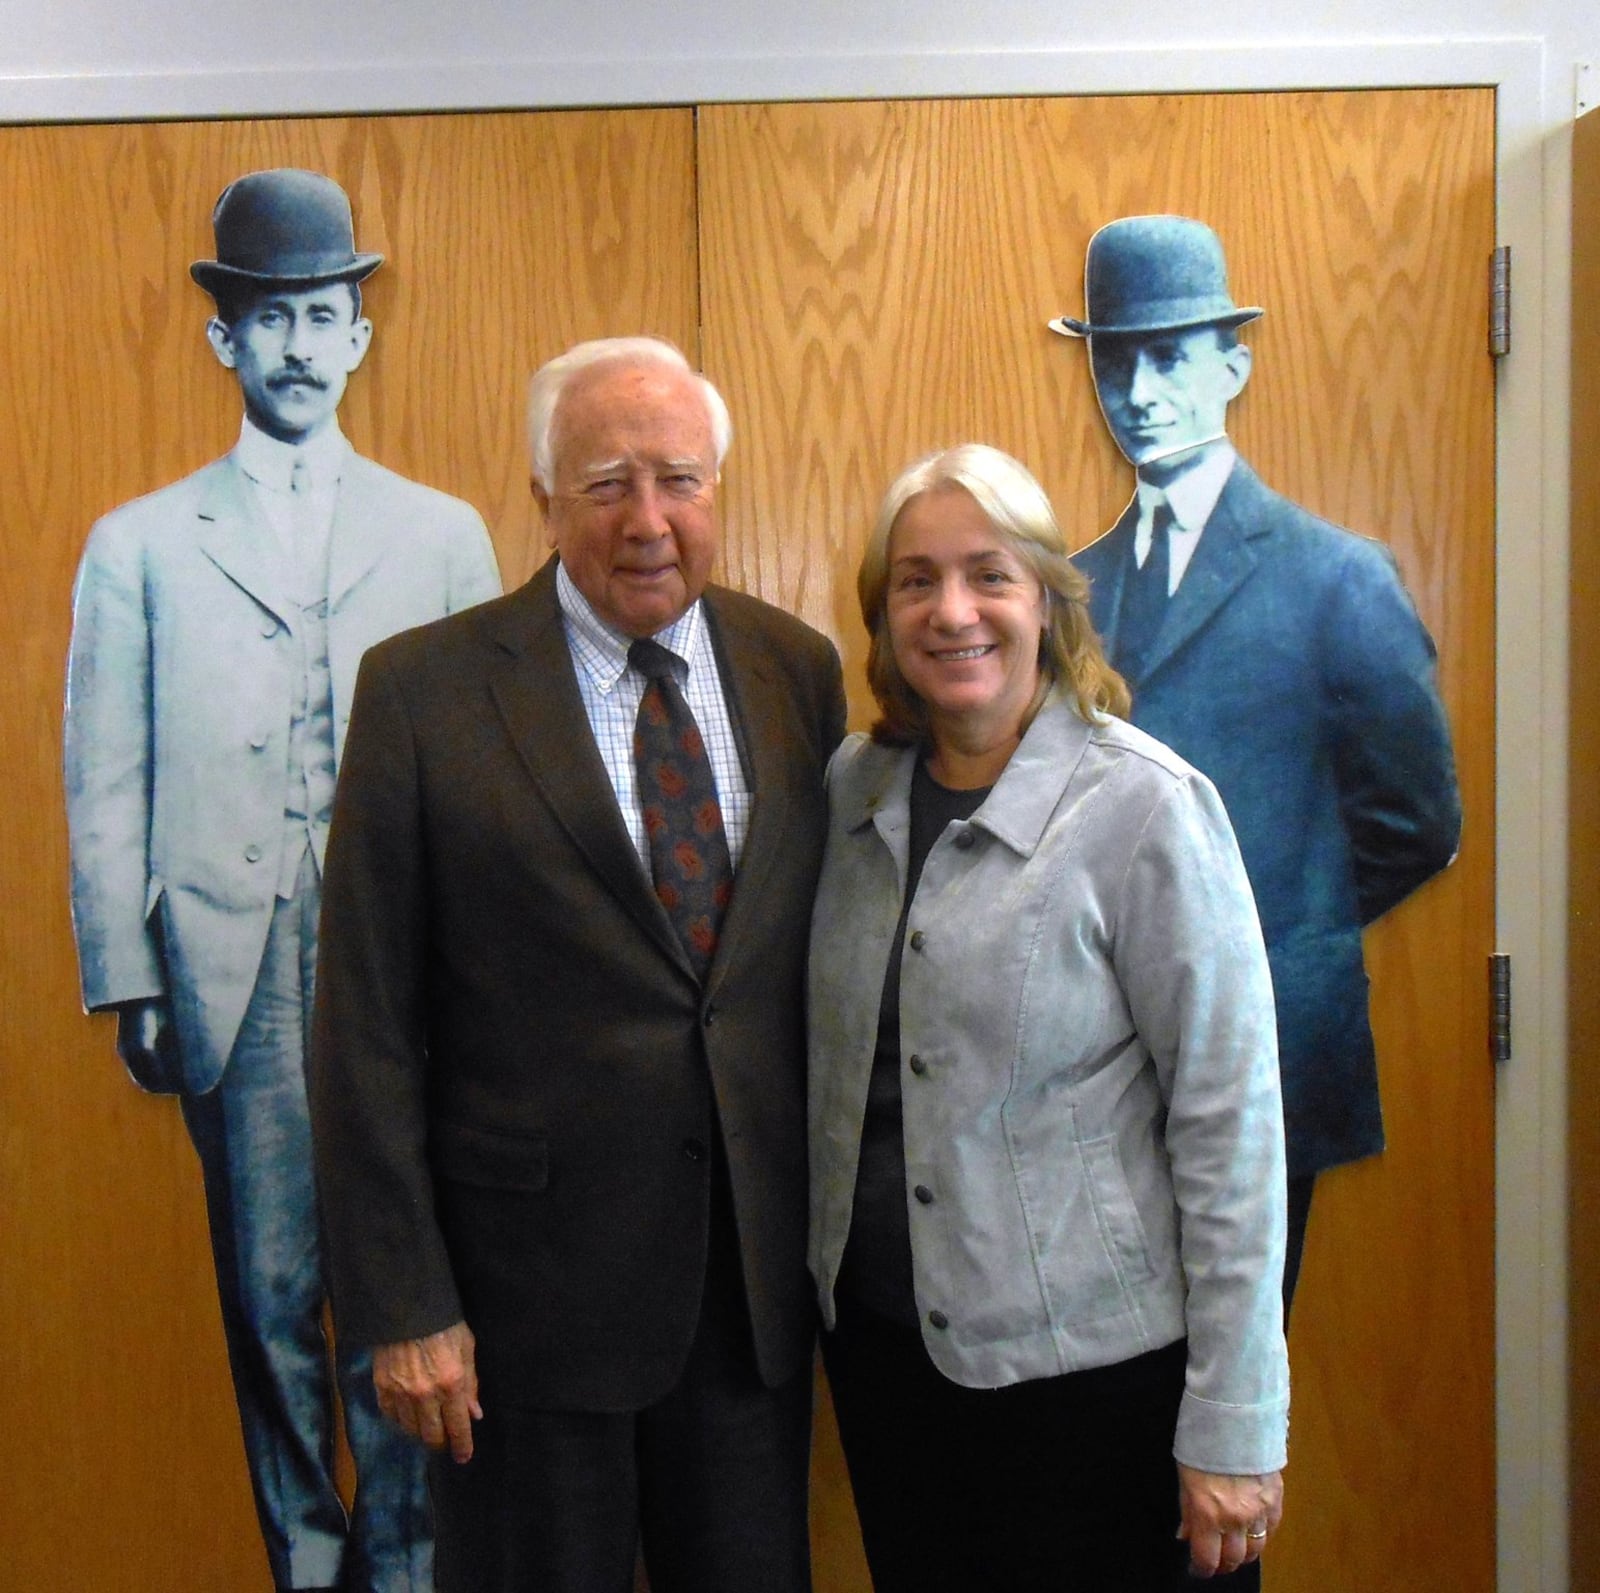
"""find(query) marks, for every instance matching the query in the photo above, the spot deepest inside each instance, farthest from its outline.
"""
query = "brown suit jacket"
(515, 1074)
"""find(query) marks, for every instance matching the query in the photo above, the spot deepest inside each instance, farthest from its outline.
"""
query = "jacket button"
(918, 939)
(917, 1066)
(965, 840)
(694, 1150)
(939, 1320)
(252, 853)
(924, 1195)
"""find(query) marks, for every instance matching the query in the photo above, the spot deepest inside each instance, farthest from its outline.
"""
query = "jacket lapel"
(537, 696)
(235, 538)
(887, 807)
(1224, 559)
(1030, 788)
(755, 698)
(357, 540)
(1106, 561)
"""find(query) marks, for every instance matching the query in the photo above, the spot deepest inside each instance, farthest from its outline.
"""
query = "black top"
(875, 1271)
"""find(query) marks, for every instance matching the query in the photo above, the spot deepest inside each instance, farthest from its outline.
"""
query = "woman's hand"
(1227, 1520)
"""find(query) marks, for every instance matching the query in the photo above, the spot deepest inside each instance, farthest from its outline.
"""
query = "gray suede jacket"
(1093, 1127)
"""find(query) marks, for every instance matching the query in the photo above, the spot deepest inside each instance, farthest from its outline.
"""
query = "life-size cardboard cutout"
(217, 625)
(1278, 653)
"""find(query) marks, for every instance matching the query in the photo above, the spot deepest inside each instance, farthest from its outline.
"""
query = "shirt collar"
(603, 651)
(270, 463)
(1193, 493)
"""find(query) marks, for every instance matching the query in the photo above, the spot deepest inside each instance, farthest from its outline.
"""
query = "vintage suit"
(1291, 667)
(516, 1075)
(181, 691)
(178, 719)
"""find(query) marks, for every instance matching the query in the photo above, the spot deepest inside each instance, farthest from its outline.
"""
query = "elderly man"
(558, 1086)
(1279, 654)
(216, 630)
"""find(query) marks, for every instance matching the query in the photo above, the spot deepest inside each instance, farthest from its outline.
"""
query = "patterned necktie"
(689, 858)
(1144, 598)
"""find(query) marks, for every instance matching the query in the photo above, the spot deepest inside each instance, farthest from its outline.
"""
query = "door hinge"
(1500, 1006)
(1500, 302)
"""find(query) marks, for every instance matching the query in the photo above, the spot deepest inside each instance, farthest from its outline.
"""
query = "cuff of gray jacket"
(1233, 1440)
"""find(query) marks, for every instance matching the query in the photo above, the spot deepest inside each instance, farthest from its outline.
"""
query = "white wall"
(88, 58)
(96, 59)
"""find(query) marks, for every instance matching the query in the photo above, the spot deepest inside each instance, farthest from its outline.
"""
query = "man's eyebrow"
(626, 462)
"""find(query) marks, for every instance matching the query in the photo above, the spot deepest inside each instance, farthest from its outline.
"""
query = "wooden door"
(507, 237)
(876, 282)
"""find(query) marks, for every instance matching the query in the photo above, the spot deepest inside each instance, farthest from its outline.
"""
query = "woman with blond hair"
(1046, 1134)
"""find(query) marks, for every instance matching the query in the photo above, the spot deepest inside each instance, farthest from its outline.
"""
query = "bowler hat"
(1154, 274)
(283, 226)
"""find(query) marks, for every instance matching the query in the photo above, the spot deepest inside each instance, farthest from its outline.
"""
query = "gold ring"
(1256, 1537)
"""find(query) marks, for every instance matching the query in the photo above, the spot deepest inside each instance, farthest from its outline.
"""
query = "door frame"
(1531, 492)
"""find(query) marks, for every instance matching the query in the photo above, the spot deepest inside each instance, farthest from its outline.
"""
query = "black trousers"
(1060, 1485)
(998, 1490)
(711, 1480)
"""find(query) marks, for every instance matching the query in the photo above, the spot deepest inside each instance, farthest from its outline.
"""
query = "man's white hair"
(551, 379)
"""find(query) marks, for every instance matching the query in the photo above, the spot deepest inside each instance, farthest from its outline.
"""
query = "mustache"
(295, 378)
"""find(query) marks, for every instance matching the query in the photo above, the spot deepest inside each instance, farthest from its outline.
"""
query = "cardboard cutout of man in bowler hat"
(217, 625)
(1279, 654)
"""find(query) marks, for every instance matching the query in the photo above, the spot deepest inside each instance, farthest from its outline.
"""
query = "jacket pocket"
(1121, 1231)
(1088, 1240)
(489, 1158)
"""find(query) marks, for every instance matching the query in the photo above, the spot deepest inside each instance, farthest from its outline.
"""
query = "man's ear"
(360, 342)
(1238, 362)
(221, 341)
(542, 498)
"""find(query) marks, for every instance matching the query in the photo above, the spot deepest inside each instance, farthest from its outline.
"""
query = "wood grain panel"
(507, 238)
(877, 278)
(1583, 869)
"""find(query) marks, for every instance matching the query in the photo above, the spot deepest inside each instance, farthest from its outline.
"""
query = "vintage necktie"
(1144, 598)
(303, 520)
(689, 859)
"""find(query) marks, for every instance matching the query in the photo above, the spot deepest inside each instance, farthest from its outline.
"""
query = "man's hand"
(148, 1045)
(429, 1387)
(1227, 1520)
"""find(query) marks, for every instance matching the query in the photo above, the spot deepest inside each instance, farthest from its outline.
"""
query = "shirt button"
(694, 1150)
(965, 840)
(917, 1066)
(269, 628)
(939, 1320)
(710, 1016)
(258, 740)
(252, 853)
(924, 1195)
(917, 939)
